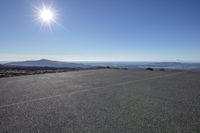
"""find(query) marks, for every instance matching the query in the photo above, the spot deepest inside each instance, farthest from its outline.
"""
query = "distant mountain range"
(47, 63)
(138, 65)
(129, 65)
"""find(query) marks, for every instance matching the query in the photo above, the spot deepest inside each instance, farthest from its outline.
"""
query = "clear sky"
(102, 30)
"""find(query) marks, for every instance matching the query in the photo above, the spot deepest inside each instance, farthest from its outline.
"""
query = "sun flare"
(46, 15)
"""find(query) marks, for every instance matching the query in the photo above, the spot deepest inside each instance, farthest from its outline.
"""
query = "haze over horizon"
(93, 30)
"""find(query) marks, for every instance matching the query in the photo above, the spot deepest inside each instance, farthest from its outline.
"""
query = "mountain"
(47, 63)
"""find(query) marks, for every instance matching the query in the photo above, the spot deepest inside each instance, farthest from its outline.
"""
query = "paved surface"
(101, 101)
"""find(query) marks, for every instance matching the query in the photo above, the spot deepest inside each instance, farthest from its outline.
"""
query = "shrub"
(108, 67)
(150, 69)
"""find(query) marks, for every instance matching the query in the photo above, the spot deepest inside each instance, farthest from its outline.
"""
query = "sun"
(46, 15)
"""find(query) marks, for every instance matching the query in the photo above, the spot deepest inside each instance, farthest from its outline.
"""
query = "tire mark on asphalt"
(85, 90)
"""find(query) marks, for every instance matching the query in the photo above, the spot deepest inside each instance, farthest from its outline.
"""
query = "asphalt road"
(101, 101)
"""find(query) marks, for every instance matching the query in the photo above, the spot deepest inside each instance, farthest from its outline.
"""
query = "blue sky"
(102, 30)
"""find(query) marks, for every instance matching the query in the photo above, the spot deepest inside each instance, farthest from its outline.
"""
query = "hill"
(47, 63)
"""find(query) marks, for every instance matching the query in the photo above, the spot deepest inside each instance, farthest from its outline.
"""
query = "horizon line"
(126, 61)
